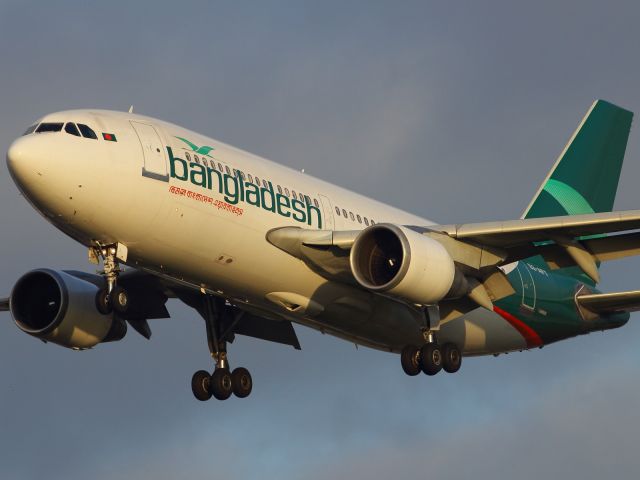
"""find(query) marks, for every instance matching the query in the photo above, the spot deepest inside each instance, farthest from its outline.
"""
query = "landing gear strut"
(222, 382)
(111, 296)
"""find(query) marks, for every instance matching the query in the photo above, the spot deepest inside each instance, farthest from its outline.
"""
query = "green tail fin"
(585, 177)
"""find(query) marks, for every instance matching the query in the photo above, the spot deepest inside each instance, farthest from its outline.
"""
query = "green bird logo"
(204, 150)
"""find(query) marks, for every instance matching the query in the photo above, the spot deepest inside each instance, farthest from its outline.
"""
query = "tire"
(410, 360)
(431, 358)
(103, 304)
(220, 385)
(451, 358)
(200, 385)
(120, 299)
(242, 382)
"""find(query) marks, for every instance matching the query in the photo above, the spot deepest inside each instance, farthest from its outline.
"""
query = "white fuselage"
(147, 191)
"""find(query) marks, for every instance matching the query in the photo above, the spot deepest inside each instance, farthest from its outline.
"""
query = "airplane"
(256, 247)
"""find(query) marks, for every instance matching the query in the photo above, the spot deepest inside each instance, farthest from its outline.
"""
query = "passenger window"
(372, 222)
(227, 169)
(264, 183)
(257, 181)
(196, 159)
(366, 222)
(205, 162)
(353, 219)
(338, 211)
(344, 213)
(315, 202)
(307, 199)
(286, 190)
(87, 132)
(187, 156)
(72, 129)
(49, 127)
(31, 129)
(293, 192)
(359, 218)
(279, 189)
(220, 167)
(250, 178)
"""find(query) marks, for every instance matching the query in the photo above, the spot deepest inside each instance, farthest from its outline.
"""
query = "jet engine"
(57, 307)
(402, 263)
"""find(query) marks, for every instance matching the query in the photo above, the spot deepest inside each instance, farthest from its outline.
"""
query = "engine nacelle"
(402, 263)
(60, 308)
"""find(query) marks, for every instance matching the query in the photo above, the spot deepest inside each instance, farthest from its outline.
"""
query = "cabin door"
(155, 162)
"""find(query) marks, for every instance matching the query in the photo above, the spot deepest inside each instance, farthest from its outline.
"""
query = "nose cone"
(22, 162)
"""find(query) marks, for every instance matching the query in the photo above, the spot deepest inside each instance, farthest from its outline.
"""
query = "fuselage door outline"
(155, 161)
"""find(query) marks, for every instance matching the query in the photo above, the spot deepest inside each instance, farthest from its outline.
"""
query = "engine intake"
(57, 307)
(403, 263)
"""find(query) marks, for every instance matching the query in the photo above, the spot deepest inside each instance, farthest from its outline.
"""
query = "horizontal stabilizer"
(4, 304)
(611, 302)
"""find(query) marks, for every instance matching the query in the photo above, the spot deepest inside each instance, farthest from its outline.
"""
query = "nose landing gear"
(222, 382)
(111, 296)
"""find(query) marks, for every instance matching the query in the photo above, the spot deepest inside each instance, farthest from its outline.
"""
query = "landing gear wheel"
(452, 358)
(410, 360)
(220, 384)
(103, 304)
(242, 382)
(200, 385)
(431, 358)
(120, 299)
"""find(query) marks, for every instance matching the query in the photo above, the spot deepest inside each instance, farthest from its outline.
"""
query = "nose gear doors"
(155, 162)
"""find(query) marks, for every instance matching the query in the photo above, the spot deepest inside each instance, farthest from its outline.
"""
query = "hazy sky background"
(452, 110)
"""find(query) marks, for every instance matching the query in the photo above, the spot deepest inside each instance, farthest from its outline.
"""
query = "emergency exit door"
(155, 161)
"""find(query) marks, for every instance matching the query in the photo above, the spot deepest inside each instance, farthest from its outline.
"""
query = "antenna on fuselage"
(131, 109)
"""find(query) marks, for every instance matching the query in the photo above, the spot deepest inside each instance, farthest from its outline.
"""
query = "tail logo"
(568, 197)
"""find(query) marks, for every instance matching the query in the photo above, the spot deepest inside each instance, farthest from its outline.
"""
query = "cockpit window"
(31, 129)
(49, 127)
(87, 132)
(72, 129)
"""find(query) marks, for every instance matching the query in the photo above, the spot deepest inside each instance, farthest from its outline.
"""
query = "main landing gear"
(431, 357)
(222, 382)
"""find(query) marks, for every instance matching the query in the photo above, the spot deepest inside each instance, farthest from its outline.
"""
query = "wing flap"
(611, 302)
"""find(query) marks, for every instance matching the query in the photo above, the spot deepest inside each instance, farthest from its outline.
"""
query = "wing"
(611, 302)
(563, 241)
(526, 231)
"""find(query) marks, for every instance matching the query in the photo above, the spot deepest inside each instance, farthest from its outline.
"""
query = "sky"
(454, 111)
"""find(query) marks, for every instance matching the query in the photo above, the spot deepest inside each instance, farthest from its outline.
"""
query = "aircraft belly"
(482, 332)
